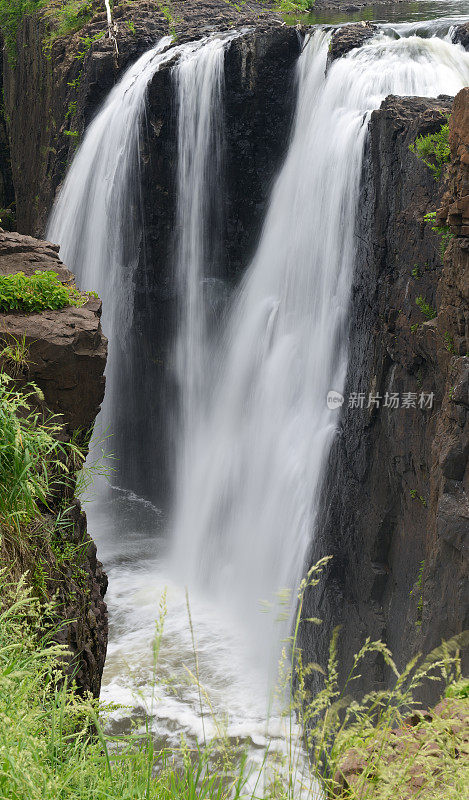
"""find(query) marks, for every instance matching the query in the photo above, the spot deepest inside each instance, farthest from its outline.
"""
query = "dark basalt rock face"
(66, 360)
(80, 601)
(67, 349)
(394, 514)
(349, 37)
(7, 191)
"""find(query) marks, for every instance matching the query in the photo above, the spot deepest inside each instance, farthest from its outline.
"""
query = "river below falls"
(130, 533)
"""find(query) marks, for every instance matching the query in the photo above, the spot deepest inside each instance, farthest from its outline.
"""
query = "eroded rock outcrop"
(461, 35)
(394, 510)
(65, 355)
(349, 37)
(66, 348)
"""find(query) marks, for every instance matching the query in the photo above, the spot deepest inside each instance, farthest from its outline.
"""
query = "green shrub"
(37, 292)
(442, 230)
(433, 150)
(293, 6)
(67, 17)
(426, 309)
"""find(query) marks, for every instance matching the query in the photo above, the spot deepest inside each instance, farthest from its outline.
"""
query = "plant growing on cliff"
(32, 457)
(14, 355)
(433, 150)
(38, 292)
(449, 343)
(425, 307)
(67, 18)
(441, 230)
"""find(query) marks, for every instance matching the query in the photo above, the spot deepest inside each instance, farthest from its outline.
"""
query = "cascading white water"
(246, 508)
(199, 78)
(97, 218)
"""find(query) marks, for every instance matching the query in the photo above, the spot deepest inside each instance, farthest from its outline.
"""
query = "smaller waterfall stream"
(198, 83)
(97, 218)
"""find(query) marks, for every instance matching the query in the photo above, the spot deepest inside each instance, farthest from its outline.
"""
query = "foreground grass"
(53, 747)
(51, 743)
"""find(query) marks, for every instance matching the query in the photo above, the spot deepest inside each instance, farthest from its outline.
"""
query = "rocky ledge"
(461, 35)
(66, 357)
(348, 37)
(67, 349)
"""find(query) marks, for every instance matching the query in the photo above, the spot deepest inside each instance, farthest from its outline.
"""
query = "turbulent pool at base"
(255, 431)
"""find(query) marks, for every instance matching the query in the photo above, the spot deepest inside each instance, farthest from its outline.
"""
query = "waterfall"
(199, 88)
(255, 430)
(97, 217)
(245, 511)
(98, 222)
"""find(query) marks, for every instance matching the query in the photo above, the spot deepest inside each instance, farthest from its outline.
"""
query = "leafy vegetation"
(67, 16)
(433, 150)
(53, 743)
(449, 343)
(292, 6)
(38, 292)
(442, 230)
(11, 14)
(33, 460)
(425, 307)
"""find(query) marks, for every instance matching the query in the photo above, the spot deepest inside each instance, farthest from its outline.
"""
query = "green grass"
(53, 745)
(38, 292)
(14, 355)
(433, 150)
(33, 460)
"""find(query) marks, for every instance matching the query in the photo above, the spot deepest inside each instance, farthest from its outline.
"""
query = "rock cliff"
(65, 358)
(395, 510)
